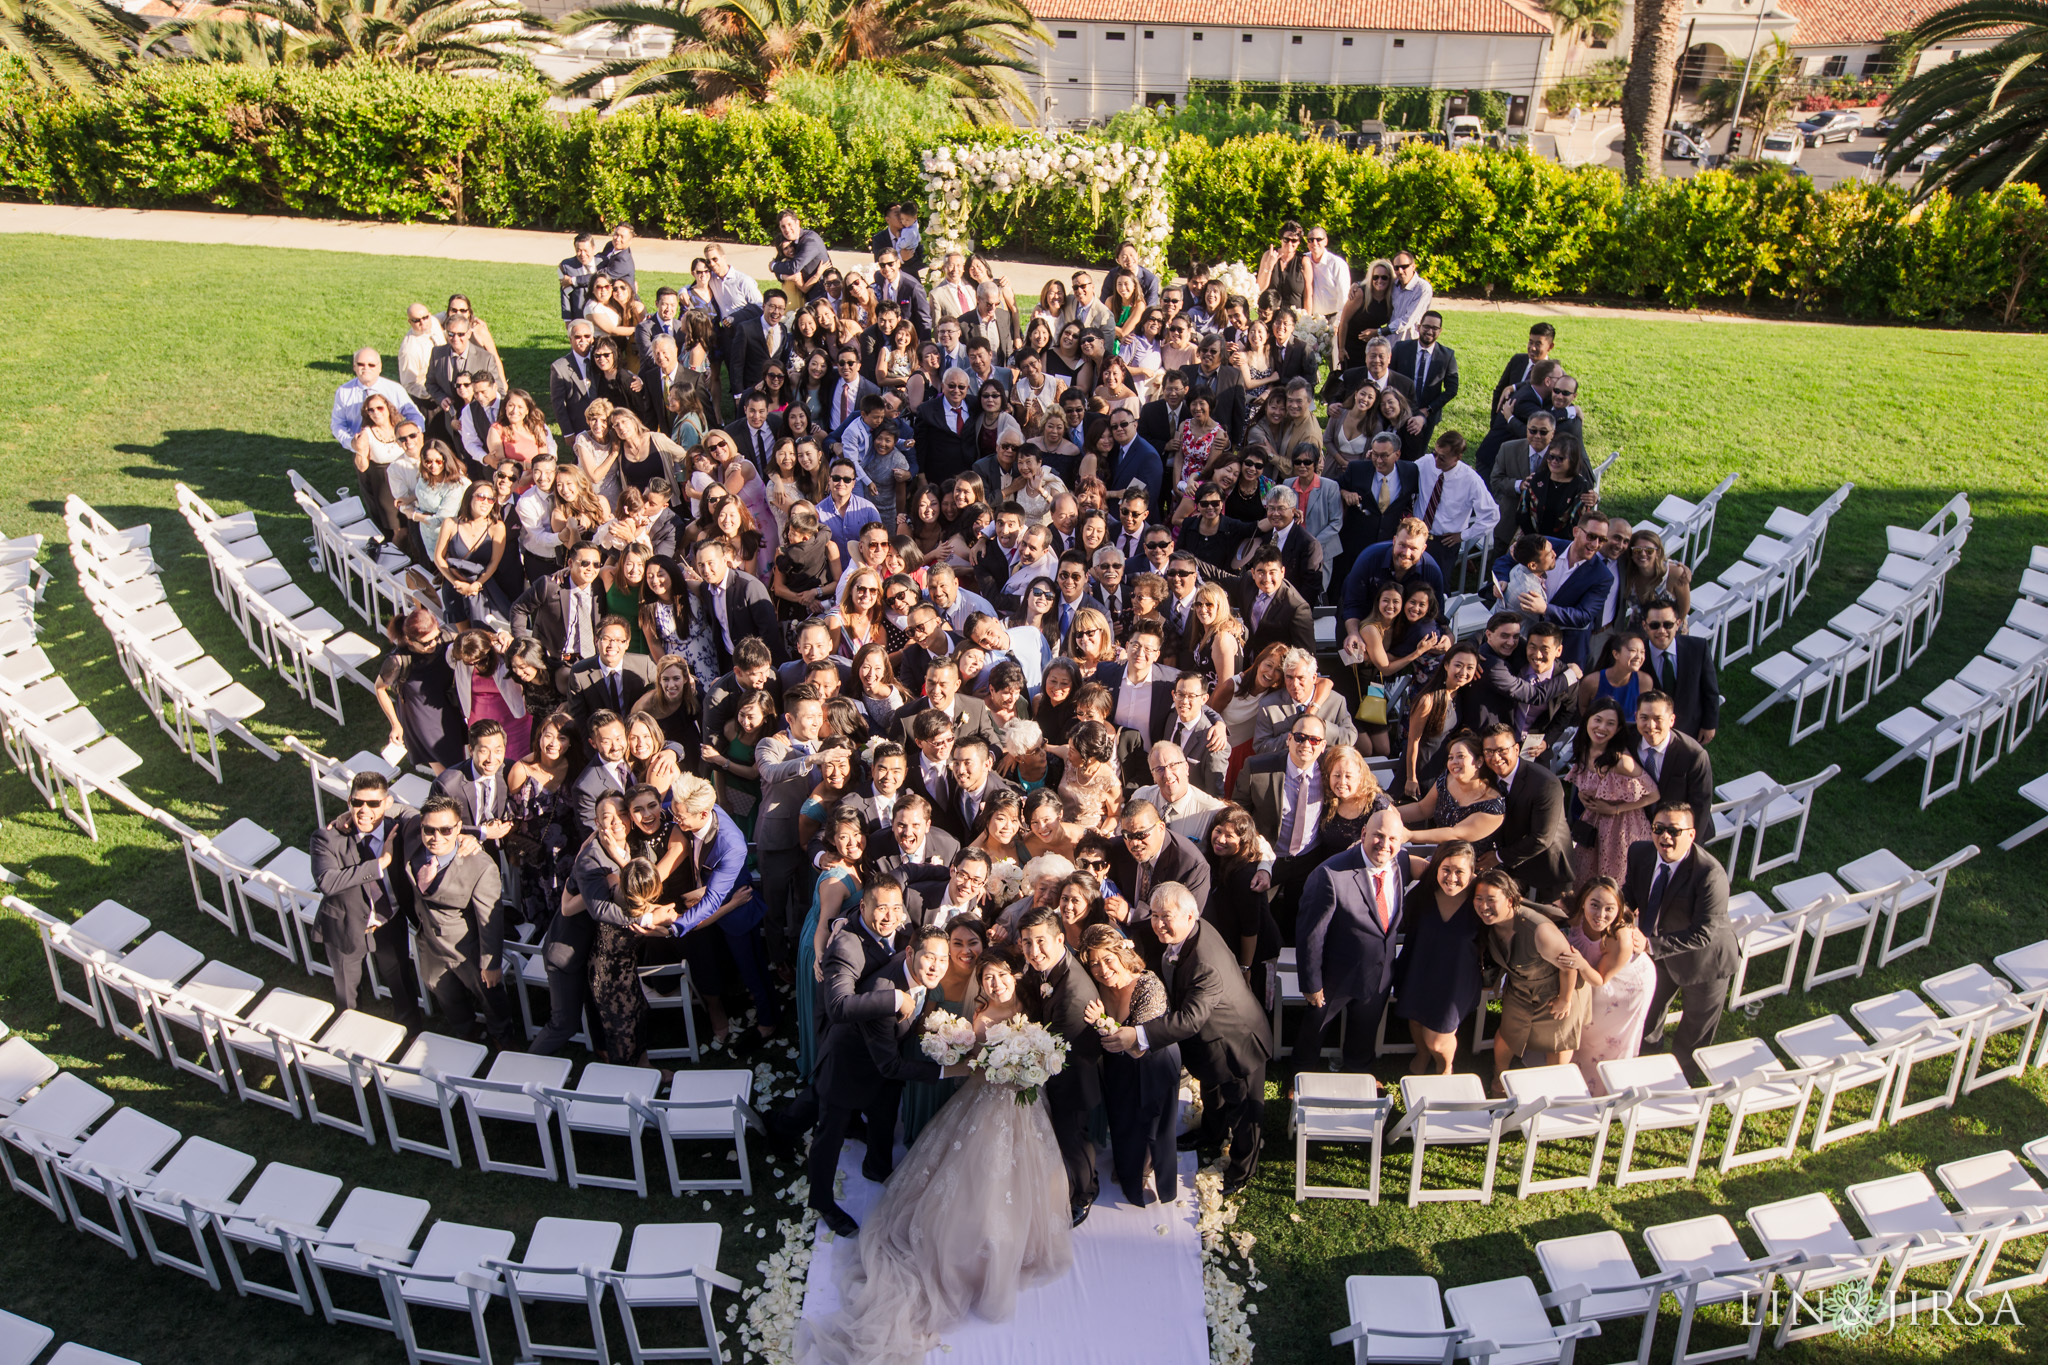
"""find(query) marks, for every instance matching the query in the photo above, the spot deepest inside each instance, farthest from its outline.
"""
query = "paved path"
(509, 246)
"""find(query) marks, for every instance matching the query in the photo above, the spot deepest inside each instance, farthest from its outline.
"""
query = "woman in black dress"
(674, 704)
(1350, 795)
(1552, 500)
(416, 689)
(528, 665)
(805, 567)
(1140, 1091)
(1434, 719)
(1240, 896)
(1437, 978)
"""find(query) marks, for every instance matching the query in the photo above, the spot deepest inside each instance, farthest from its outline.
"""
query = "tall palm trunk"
(1646, 95)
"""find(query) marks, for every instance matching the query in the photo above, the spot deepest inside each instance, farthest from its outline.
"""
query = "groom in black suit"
(862, 1068)
(1223, 1034)
(1056, 993)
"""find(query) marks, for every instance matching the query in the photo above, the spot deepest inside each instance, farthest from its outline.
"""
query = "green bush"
(382, 143)
(1415, 108)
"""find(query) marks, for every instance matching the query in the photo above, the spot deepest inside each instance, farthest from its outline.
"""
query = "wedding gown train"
(975, 1214)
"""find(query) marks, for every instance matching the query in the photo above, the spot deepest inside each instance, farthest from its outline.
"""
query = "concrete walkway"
(509, 246)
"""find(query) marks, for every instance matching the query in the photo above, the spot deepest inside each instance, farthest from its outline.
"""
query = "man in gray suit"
(353, 857)
(1681, 894)
(1295, 696)
(787, 762)
(461, 923)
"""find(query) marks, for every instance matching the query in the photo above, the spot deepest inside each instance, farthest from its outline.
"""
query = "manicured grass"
(132, 366)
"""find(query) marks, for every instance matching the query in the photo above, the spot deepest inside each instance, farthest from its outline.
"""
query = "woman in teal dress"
(837, 895)
(622, 590)
(959, 993)
(731, 753)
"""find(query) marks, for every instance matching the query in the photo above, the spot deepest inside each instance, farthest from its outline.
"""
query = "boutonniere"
(1044, 989)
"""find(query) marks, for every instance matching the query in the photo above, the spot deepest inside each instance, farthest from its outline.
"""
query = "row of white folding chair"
(1877, 888)
(1755, 804)
(372, 580)
(1402, 1318)
(1769, 582)
(122, 1160)
(282, 625)
(1947, 529)
(303, 1041)
(22, 1343)
(57, 742)
(1866, 647)
(1986, 710)
(1688, 527)
(1995, 1189)
(331, 777)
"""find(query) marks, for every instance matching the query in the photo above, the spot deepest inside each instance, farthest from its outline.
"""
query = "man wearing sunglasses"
(1683, 669)
(353, 859)
(1680, 894)
(455, 893)
(1148, 855)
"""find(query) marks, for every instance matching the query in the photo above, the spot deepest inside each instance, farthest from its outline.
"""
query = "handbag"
(1372, 700)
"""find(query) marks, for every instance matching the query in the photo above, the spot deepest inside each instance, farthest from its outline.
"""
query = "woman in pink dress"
(487, 691)
(1607, 953)
(1613, 788)
(1201, 438)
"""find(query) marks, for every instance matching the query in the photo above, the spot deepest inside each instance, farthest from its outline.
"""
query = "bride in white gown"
(974, 1214)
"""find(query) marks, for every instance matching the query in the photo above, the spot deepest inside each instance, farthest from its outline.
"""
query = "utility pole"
(1755, 36)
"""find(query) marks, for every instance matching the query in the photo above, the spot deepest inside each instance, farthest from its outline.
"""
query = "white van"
(1463, 130)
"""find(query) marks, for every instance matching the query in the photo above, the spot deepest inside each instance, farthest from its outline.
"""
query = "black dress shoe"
(839, 1220)
(1081, 1212)
(879, 1177)
(1187, 1142)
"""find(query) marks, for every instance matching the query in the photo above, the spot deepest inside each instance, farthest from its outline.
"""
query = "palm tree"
(723, 50)
(67, 44)
(1989, 108)
(1646, 94)
(427, 35)
(1585, 18)
(1773, 88)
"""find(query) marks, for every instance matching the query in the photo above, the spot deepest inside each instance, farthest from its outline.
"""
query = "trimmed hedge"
(383, 143)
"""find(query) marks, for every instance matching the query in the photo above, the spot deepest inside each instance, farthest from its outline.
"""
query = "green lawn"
(131, 366)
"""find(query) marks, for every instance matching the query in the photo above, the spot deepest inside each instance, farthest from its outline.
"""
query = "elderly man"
(1187, 810)
(1376, 367)
(570, 377)
(1296, 697)
(946, 443)
(347, 418)
(1349, 921)
(1301, 554)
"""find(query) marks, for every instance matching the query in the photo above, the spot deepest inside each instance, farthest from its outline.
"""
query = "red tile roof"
(1843, 22)
(1519, 17)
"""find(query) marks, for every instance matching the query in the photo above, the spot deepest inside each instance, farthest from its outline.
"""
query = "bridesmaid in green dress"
(840, 881)
(623, 581)
(959, 993)
(739, 780)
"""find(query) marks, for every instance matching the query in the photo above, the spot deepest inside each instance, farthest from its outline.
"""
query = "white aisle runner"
(1134, 1293)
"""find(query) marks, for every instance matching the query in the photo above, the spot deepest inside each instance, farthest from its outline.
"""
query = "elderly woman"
(1140, 1090)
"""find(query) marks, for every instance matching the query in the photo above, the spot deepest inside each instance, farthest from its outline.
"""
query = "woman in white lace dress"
(1607, 952)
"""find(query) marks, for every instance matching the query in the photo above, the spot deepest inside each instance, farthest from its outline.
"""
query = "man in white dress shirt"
(1410, 298)
(1329, 273)
(1453, 501)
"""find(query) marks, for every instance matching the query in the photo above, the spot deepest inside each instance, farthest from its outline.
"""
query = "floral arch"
(1124, 184)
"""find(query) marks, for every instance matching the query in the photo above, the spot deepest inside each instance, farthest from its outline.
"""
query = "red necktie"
(1383, 895)
(1436, 497)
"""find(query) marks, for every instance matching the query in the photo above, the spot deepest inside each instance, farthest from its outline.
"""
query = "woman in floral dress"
(1613, 788)
(1607, 952)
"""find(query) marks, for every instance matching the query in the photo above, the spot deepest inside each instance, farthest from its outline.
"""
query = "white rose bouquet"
(1021, 1056)
(1238, 278)
(947, 1038)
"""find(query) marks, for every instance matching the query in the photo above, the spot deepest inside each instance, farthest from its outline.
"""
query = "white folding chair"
(22, 1341)
(1508, 1319)
(1903, 1024)
(670, 1265)
(1398, 1319)
(1832, 911)
(514, 1091)
(127, 1147)
(1904, 888)
(71, 1353)
(283, 1197)
(214, 993)
(105, 931)
(1338, 1107)
(1810, 1224)
(1450, 1110)
(1731, 1275)
(268, 1031)
(681, 1000)
(51, 1125)
(286, 888)
(1791, 805)
(202, 1174)
(1852, 1064)
(1970, 990)
(1554, 1104)
(1598, 1264)
(1997, 1188)
(23, 1070)
(159, 963)
(2034, 793)
(424, 1076)
(560, 1265)
(1758, 934)
(1761, 1084)
(1654, 1096)
(711, 1106)
(221, 856)
(599, 1107)
(371, 1224)
(1906, 1208)
(448, 1273)
(347, 1053)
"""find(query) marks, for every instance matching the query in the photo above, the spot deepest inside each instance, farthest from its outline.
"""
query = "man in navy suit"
(1135, 459)
(893, 282)
(1433, 370)
(478, 784)
(723, 894)
(1579, 579)
(1349, 918)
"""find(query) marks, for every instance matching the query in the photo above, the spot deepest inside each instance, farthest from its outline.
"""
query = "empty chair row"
(371, 576)
(194, 698)
(140, 1185)
(54, 738)
(1759, 592)
(22, 1343)
(282, 625)
(1869, 645)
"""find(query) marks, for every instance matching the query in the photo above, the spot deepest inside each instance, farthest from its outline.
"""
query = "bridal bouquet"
(1022, 1056)
(947, 1038)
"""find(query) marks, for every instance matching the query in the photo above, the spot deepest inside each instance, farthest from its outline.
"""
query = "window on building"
(1875, 65)
(1835, 65)
(1296, 40)
(1148, 33)
(1114, 36)
(1400, 42)
(1069, 33)
(1198, 35)
(1347, 40)
(1598, 44)
(1247, 38)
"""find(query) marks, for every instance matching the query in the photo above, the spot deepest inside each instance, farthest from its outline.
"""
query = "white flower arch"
(1125, 184)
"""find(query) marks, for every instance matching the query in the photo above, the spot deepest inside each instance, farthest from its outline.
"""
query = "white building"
(1846, 37)
(1107, 55)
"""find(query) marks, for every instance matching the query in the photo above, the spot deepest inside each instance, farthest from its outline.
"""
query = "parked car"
(1781, 145)
(1912, 165)
(1831, 125)
(1682, 146)
(1463, 130)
